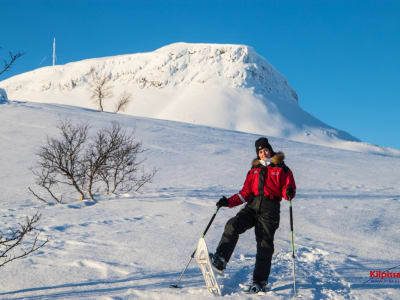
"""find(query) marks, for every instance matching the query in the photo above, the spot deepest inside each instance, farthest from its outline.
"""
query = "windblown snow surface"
(219, 85)
(133, 246)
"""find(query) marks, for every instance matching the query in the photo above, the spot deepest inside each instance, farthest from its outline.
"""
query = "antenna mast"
(54, 52)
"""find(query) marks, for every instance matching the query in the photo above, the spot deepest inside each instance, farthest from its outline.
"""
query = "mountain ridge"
(220, 85)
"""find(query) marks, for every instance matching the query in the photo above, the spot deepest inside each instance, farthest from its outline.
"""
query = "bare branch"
(145, 178)
(46, 179)
(13, 241)
(34, 194)
(123, 102)
(8, 63)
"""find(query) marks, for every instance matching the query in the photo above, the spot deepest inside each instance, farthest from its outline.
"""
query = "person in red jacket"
(266, 183)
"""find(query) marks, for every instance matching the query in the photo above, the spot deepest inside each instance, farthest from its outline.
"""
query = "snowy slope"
(134, 246)
(219, 85)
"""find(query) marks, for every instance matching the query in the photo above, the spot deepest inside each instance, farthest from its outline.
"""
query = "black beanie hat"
(262, 143)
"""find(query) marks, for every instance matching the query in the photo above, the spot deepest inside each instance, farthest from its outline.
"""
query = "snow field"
(133, 246)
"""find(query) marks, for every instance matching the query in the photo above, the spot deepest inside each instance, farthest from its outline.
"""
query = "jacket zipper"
(261, 181)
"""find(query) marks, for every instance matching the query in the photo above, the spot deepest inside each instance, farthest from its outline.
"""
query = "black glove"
(223, 202)
(290, 192)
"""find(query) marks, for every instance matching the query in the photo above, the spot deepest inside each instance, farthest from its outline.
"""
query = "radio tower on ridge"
(54, 52)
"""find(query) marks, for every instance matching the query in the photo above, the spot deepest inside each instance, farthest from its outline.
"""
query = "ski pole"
(194, 252)
(291, 229)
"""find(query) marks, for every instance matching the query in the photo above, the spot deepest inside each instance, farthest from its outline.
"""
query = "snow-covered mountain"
(133, 246)
(220, 85)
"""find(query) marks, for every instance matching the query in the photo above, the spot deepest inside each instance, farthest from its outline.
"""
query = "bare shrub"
(106, 162)
(11, 242)
(123, 102)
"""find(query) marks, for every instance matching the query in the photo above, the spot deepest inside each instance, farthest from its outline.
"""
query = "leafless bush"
(123, 102)
(101, 88)
(107, 161)
(12, 244)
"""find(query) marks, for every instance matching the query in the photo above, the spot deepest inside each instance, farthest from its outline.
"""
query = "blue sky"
(342, 57)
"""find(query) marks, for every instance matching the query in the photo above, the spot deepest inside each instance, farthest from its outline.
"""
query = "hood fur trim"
(255, 163)
(277, 159)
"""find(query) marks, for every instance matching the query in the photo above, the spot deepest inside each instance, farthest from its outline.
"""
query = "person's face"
(264, 153)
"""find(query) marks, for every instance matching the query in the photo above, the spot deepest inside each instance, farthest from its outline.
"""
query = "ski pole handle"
(291, 215)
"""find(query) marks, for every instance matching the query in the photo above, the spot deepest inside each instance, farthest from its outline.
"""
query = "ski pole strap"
(209, 223)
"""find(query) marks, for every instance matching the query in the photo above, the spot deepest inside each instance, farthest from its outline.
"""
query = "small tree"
(11, 242)
(123, 102)
(101, 88)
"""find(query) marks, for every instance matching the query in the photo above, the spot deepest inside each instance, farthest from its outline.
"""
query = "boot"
(218, 263)
(258, 286)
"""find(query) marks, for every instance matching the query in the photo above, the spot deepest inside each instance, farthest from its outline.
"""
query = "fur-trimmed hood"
(277, 159)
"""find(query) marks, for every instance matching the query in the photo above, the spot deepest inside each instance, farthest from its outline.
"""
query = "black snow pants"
(264, 217)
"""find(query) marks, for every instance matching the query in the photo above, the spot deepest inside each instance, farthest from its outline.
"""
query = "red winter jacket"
(278, 177)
